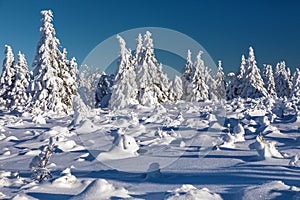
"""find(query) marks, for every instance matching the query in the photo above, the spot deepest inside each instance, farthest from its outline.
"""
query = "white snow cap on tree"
(282, 80)
(51, 83)
(197, 90)
(268, 78)
(8, 76)
(124, 91)
(19, 95)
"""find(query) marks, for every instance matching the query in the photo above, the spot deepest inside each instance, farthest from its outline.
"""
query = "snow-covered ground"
(181, 151)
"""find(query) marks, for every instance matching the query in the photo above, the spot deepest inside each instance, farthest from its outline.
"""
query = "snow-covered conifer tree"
(197, 90)
(296, 84)
(68, 73)
(254, 84)
(282, 80)
(187, 73)
(268, 78)
(176, 90)
(150, 89)
(19, 95)
(220, 82)
(7, 79)
(104, 90)
(49, 86)
(236, 85)
(124, 92)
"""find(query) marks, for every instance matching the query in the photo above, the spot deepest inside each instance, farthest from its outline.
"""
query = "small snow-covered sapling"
(39, 163)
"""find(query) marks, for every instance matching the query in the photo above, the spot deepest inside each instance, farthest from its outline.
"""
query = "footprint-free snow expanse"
(240, 150)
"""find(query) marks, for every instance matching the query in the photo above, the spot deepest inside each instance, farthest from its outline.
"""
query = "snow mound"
(101, 189)
(265, 149)
(67, 180)
(192, 193)
(22, 197)
(237, 136)
(163, 138)
(239, 133)
(39, 119)
(124, 146)
(86, 126)
(294, 162)
(270, 190)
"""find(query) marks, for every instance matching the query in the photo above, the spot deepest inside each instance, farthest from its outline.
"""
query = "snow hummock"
(101, 189)
(124, 146)
(271, 190)
(39, 119)
(67, 180)
(265, 149)
(192, 193)
(239, 133)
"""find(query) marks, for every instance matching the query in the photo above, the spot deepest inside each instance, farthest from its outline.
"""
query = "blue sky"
(224, 28)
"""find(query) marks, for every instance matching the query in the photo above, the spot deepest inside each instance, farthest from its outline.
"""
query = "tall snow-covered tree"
(68, 73)
(220, 82)
(19, 95)
(268, 78)
(7, 79)
(89, 79)
(104, 90)
(282, 80)
(187, 73)
(124, 92)
(254, 84)
(236, 85)
(176, 90)
(49, 87)
(150, 90)
(296, 84)
(197, 89)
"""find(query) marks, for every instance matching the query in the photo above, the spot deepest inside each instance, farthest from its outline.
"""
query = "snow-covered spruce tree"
(49, 87)
(236, 85)
(220, 82)
(124, 91)
(104, 90)
(282, 80)
(268, 78)
(296, 84)
(19, 95)
(88, 80)
(7, 79)
(150, 88)
(39, 163)
(197, 89)
(176, 90)
(187, 73)
(254, 84)
(68, 73)
(211, 83)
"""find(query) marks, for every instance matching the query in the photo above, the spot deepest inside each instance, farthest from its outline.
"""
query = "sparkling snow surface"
(179, 151)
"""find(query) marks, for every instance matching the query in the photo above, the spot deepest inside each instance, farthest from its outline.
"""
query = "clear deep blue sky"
(224, 28)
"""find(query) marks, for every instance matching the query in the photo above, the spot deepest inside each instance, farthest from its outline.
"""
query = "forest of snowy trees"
(139, 79)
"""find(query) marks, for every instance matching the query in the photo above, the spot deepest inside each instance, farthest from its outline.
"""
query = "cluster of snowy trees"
(51, 86)
(139, 79)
